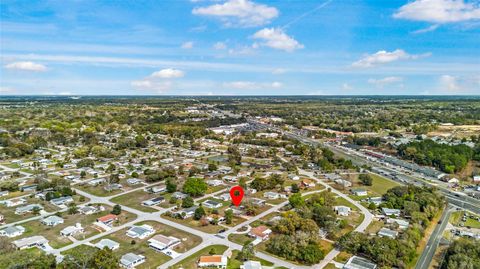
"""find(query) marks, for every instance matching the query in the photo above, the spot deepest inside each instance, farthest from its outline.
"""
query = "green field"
(135, 199)
(191, 261)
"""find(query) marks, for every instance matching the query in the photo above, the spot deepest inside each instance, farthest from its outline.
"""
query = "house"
(52, 220)
(293, 177)
(212, 204)
(96, 182)
(391, 212)
(14, 202)
(130, 260)
(88, 210)
(2, 219)
(356, 262)
(453, 181)
(157, 189)
(230, 178)
(307, 183)
(153, 201)
(107, 243)
(359, 192)
(140, 232)
(12, 231)
(257, 201)
(179, 195)
(214, 182)
(108, 219)
(32, 187)
(113, 187)
(187, 212)
(375, 200)
(224, 197)
(273, 195)
(134, 181)
(476, 179)
(342, 210)
(251, 265)
(343, 182)
(27, 209)
(65, 200)
(72, 230)
(29, 242)
(4, 193)
(214, 261)
(160, 242)
(261, 232)
(385, 232)
(402, 224)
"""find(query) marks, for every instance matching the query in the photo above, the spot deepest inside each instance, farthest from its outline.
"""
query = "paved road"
(427, 255)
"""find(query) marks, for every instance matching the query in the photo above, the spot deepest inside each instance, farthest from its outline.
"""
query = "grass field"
(135, 199)
(234, 263)
(191, 261)
(153, 258)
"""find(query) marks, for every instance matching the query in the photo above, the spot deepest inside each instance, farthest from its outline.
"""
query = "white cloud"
(439, 11)
(276, 38)
(151, 85)
(187, 45)
(65, 93)
(27, 66)
(220, 46)
(168, 73)
(243, 13)
(426, 30)
(346, 86)
(383, 57)
(385, 81)
(449, 83)
(6, 89)
(279, 71)
(251, 85)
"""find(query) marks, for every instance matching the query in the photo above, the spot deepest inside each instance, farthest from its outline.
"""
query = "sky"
(240, 47)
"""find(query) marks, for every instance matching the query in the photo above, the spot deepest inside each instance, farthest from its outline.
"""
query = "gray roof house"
(385, 232)
(62, 200)
(29, 242)
(212, 204)
(130, 260)
(107, 243)
(27, 208)
(52, 220)
(356, 262)
(140, 232)
(391, 211)
(12, 231)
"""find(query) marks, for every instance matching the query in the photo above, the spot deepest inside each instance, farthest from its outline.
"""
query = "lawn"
(240, 239)
(135, 199)
(191, 261)
(472, 223)
(380, 185)
(98, 190)
(153, 258)
(233, 263)
(35, 227)
(212, 229)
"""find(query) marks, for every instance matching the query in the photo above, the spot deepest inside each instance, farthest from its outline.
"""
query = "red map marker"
(236, 193)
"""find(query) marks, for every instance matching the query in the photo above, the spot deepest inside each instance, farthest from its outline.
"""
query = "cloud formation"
(251, 85)
(26, 66)
(168, 73)
(220, 46)
(439, 11)
(239, 13)
(187, 45)
(384, 57)
(276, 38)
(380, 83)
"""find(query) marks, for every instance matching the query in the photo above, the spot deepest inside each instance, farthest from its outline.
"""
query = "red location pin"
(236, 193)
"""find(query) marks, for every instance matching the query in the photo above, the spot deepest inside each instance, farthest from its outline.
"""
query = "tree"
(28, 259)
(104, 259)
(83, 174)
(188, 202)
(247, 253)
(365, 179)
(295, 188)
(228, 216)
(176, 142)
(195, 187)
(72, 209)
(117, 210)
(171, 186)
(212, 167)
(296, 200)
(199, 213)
(36, 210)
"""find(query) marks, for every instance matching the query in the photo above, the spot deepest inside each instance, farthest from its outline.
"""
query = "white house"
(342, 210)
(12, 231)
(72, 230)
(14, 202)
(107, 243)
(212, 204)
(29, 242)
(140, 232)
(52, 220)
(385, 232)
(160, 242)
(130, 260)
(359, 192)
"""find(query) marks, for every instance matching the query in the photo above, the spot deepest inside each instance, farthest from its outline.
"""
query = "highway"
(425, 259)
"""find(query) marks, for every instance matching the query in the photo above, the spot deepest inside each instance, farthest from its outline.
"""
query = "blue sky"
(240, 47)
